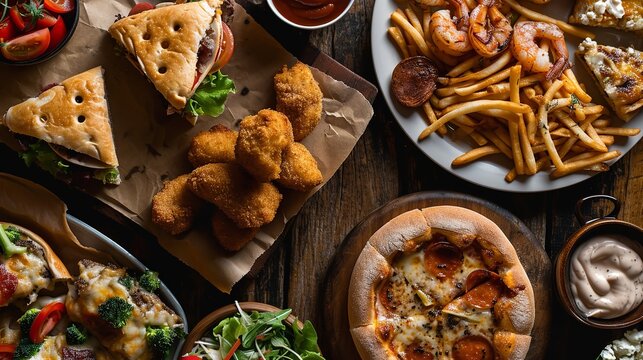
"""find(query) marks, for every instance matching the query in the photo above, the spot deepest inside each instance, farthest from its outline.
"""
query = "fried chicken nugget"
(212, 146)
(300, 98)
(175, 207)
(250, 204)
(261, 142)
(228, 234)
(299, 169)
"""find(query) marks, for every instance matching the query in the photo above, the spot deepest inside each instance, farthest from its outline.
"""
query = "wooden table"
(384, 165)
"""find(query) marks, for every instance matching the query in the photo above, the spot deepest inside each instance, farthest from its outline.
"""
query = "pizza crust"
(73, 114)
(165, 42)
(401, 233)
(370, 270)
(510, 346)
(368, 344)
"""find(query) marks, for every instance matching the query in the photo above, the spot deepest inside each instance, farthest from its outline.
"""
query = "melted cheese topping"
(102, 284)
(413, 315)
(51, 348)
(32, 272)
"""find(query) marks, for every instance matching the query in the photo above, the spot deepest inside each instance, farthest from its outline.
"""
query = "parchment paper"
(152, 147)
(27, 204)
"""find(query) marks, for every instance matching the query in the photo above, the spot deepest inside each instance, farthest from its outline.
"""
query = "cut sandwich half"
(617, 73)
(181, 48)
(66, 130)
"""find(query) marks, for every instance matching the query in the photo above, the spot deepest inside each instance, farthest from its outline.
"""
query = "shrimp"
(427, 4)
(449, 35)
(489, 30)
(531, 56)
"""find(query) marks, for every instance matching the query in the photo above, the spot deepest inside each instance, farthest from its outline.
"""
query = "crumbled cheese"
(614, 7)
(632, 24)
(630, 51)
(587, 45)
(628, 348)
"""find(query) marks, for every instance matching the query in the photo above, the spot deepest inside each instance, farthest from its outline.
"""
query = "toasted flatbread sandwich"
(623, 15)
(617, 73)
(66, 130)
(181, 48)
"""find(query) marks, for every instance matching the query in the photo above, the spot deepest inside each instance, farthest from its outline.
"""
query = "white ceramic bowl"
(309, 27)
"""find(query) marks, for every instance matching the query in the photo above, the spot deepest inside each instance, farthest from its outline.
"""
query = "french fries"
(507, 111)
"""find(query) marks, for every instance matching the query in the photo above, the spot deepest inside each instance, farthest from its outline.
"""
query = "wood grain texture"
(333, 318)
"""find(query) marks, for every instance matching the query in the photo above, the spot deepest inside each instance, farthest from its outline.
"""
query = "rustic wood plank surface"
(384, 165)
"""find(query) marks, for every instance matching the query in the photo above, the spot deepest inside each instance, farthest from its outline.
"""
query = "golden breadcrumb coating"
(262, 139)
(300, 98)
(212, 146)
(175, 207)
(250, 204)
(299, 169)
(228, 234)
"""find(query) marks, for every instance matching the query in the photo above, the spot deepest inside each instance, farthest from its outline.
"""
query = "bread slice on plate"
(624, 15)
(617, 73)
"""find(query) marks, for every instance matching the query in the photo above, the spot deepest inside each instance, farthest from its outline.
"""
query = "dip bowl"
(607, 224)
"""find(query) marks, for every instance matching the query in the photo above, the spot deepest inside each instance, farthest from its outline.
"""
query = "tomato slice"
(7, 30)
(60, 6)
(6, 351)
(27, 47)
(16, 18)
(191, 357)
(140, 7)
(58, 33)
(47, 20)
(226, 51)
(46, 320)
(27, 15)
(8, 284)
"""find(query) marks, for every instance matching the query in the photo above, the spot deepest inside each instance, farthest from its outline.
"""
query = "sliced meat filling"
(206, 51)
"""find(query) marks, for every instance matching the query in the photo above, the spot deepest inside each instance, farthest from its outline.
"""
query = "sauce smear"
(310, 12)
(607, 276)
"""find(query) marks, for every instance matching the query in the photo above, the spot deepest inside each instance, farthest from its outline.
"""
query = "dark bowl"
(606, 225)
(71, 22)
(211, 320)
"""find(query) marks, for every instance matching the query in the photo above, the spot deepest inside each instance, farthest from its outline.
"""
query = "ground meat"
(227, 11)
(78, 354)
(206, 51)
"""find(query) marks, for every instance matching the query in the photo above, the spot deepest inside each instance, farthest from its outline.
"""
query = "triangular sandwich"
(66, 129)
(180, 49)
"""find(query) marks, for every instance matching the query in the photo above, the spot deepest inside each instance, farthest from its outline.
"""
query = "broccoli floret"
(13, 234)
(75, 334)
(161, 339)
(150, 281)
(115, 311)
(126, 281)
(26, 320)
(8, 247)
(26, 350)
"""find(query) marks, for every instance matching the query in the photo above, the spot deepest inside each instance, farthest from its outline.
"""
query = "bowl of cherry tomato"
(310, 14)
(34, 31)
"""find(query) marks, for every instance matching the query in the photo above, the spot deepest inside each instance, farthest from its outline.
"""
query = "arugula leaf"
(264, 321)
(209, 98)
(41, 154)
(306, 338)
(309, 355)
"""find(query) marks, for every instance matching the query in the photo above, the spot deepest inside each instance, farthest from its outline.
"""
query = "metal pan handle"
(612, 215)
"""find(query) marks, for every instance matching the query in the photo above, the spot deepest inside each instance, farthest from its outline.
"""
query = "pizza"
(623, 15)
(617, 73)
(443, 282)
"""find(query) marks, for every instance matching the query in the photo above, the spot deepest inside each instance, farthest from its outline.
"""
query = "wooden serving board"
(337, 342)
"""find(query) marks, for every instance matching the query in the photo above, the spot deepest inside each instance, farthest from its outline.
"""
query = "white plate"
(89, 236)
(489, 172)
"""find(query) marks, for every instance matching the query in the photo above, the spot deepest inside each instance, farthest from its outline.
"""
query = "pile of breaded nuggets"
(240, 173)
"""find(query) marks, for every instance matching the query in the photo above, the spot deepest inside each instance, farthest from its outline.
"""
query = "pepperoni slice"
(386, 296)
(417, 352)
(477, 277)
(442, 259)
(8, 284)
(485, 295)
(472, 348)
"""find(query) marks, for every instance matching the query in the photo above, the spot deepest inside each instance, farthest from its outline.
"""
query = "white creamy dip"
(606, 277)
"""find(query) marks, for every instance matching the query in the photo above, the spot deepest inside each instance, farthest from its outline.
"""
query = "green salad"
(259, 335)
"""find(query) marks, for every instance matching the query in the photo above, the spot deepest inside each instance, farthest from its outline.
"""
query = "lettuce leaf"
(40, 153)
(209, 98)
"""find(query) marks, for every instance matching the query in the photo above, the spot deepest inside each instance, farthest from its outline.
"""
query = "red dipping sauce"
(311, 12)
